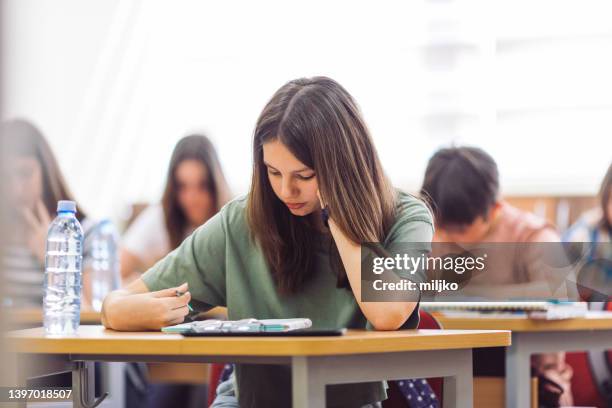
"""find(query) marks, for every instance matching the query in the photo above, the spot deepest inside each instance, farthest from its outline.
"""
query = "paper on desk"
(240, 326)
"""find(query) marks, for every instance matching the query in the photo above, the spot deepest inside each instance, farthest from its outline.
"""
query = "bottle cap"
(66, 206)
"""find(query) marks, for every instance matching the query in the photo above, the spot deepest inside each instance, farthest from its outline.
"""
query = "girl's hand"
(143, 310)
(164, 307)
(37, 225)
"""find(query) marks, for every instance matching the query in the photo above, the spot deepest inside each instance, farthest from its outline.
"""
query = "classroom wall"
(114, 84)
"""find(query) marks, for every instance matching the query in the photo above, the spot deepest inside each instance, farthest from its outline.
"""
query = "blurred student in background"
(595, 225)
(588, 242)
(34, 184)
(589, 238)
(462, 186)
(195, 191)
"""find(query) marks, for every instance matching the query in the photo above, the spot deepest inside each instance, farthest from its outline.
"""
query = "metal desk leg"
(307, 385)
(83, 386)
(518, 373)
(458, 389)
(312, 374)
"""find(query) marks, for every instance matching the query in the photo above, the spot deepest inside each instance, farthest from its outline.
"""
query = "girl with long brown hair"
(34, 185)
(195, 190)
(292, 246)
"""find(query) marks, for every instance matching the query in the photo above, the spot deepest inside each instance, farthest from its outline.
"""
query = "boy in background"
(462, 186)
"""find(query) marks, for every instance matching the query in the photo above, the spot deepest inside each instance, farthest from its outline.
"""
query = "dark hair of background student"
(199, 148)
(461, 184)
(21, 138)
(320, 123)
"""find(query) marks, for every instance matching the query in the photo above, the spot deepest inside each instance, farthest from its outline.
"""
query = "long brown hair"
(604, 196)
(22, 138)
(193, 147)
(320, 123)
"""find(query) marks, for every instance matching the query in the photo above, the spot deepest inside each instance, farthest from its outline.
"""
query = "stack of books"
(552, 310)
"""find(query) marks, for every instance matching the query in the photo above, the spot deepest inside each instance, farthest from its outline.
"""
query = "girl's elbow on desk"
(111, 316)
(393, 318)
(107, 310)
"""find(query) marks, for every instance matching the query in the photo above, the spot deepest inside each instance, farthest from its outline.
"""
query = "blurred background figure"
(195, 190)
(34, 186)
(589, 240)
(462, 186)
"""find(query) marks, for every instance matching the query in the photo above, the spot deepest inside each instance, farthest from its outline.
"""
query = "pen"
(179, 293)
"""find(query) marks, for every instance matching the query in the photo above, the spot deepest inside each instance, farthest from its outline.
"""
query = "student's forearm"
(135, 308)
(126, 308)
(382, 315)
(125, 311)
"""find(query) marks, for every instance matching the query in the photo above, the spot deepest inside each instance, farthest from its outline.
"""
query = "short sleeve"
(411, 234)
(147, 237)
(415, 238)
(199, 261)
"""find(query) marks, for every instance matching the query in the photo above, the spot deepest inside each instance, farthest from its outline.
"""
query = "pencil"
(179, 293)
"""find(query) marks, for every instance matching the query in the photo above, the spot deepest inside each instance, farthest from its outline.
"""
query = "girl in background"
(34, 186)
(195, 191)
(589, 239)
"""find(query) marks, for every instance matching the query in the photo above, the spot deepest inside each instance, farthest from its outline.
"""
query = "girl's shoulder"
(233, 213)
(413, 221)
(411, 208)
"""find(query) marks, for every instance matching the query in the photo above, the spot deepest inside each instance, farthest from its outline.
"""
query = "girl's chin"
(301, 212)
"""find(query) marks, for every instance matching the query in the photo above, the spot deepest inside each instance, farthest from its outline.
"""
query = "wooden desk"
(112, 373)
(530, 336)
(359, 356)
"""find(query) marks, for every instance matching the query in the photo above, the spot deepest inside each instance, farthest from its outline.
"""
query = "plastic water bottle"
(102, 259)
(63, 268)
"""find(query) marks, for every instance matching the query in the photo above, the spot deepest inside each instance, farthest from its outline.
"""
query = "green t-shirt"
(224, 267)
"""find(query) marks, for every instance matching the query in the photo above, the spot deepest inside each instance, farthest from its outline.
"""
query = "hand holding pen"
(166, 307)
(179, 293)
